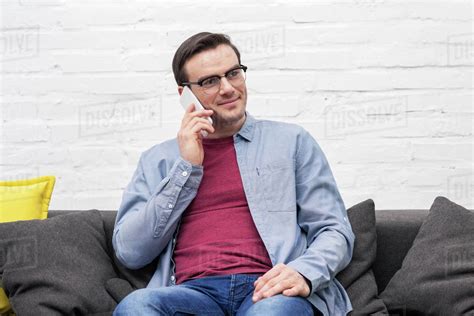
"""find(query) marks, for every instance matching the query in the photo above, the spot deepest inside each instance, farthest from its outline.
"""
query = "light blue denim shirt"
(291, 193)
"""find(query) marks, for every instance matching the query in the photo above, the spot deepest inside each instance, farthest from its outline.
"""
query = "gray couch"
(41, 259)
(396, 230)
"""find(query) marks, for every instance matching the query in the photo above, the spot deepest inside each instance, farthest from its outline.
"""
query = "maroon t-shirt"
(217, 235)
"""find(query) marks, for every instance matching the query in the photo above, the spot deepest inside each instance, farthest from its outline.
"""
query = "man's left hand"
(280, 279)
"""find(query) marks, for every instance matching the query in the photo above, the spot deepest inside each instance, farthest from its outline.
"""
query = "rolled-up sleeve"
(322, 215)
(148, 217)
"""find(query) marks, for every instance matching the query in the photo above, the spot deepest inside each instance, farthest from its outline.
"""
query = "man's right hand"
(189, 135)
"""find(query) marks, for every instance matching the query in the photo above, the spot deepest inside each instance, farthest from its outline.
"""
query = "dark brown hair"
(195, 44)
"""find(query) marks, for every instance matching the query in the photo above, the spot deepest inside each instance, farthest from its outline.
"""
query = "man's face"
(229, 102)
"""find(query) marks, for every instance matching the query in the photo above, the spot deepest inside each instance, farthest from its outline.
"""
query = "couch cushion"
(357, 277)
(396, 231)
(118, 288)
(138, 278)
(57, 266)
(437, 274)
(24, 200)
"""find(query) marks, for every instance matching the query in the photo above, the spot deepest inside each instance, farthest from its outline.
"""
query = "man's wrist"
(309, 284)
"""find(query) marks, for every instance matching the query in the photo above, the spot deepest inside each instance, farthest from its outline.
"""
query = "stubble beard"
(228, 119)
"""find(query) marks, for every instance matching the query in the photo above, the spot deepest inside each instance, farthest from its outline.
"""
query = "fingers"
(194, 127)
(195, 121)
(270, 274)
(280, 279)
(200, 124)
(269, 283)
(190, 113)
(291, 292)
(275, 286)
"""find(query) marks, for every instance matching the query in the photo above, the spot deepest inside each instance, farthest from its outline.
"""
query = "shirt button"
(172, 278)
(184, 174)
(170, 205)
(174, 240)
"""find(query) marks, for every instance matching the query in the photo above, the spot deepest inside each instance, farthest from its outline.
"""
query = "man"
(246, 221)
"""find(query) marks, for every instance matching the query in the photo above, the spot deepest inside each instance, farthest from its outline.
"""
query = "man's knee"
(280, 305)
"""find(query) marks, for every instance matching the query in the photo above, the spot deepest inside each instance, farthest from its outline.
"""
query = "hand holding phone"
(187, 97)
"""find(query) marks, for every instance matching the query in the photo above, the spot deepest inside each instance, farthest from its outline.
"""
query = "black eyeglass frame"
(188, 83)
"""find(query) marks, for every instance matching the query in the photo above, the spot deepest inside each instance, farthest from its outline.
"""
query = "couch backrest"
(396, 230)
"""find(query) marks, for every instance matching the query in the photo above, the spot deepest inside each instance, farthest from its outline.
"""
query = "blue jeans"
(213, 296)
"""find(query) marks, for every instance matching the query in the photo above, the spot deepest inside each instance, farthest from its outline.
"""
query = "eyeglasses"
(211, 85)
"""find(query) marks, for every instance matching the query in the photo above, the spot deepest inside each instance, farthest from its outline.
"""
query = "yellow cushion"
(24, 200)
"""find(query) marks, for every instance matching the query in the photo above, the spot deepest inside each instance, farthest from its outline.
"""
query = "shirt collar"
(247, 130)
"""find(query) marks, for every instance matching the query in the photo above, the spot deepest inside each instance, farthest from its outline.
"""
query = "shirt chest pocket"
(276, 184)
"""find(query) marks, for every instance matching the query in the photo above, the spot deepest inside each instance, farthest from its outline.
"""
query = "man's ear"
(180, 89)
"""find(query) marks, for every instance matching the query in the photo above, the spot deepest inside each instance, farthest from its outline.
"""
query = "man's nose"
(226, 86)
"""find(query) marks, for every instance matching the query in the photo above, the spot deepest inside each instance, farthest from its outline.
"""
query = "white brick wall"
(384, 86)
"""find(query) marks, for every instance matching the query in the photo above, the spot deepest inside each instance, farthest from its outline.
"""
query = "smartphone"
(188, 97)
